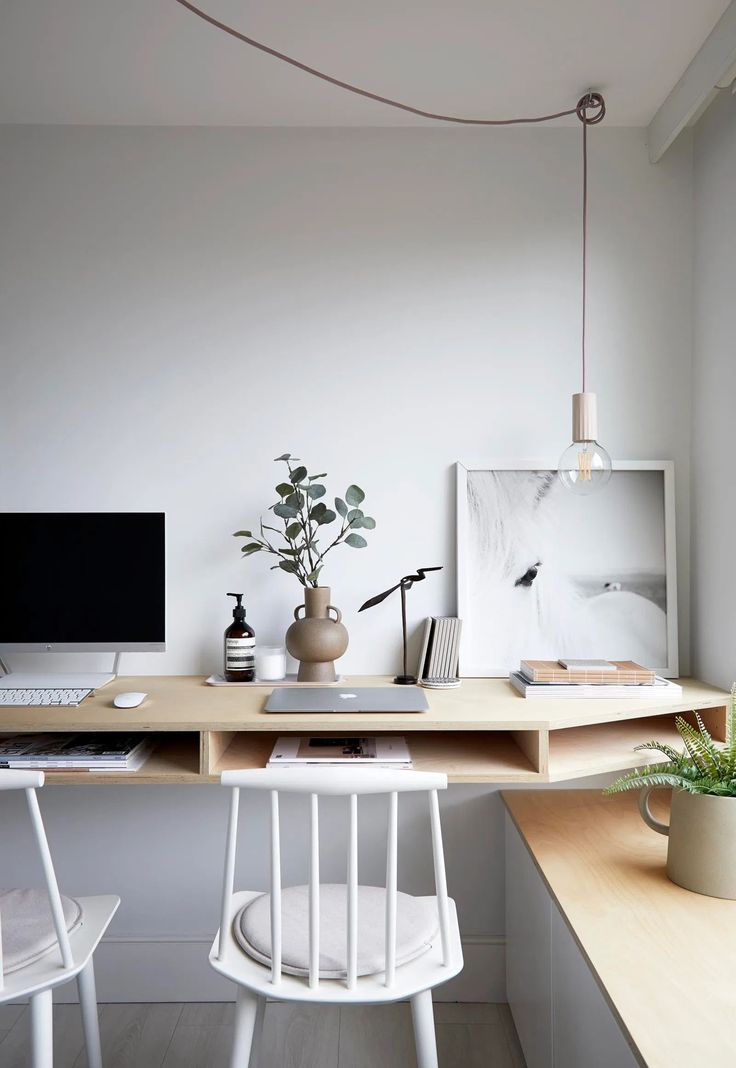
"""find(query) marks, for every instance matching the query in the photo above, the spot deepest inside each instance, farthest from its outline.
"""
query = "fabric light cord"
(591, 102)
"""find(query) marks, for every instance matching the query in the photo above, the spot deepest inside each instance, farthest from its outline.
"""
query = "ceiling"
(152, 62)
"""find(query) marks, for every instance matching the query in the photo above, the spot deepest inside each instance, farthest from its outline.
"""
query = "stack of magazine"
(438, 661)
(75, 752)
(590, 678)
(381, 751)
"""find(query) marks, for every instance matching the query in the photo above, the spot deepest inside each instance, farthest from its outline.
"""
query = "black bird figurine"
(403, 584)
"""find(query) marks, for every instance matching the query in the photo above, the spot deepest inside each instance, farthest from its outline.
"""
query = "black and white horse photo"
(551, 575)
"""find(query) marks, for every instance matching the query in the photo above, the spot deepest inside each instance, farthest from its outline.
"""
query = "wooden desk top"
(663, 956)
(186, 703)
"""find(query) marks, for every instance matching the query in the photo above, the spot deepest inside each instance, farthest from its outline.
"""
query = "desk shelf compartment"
(466, 756)
(175, 760)
(599, 748)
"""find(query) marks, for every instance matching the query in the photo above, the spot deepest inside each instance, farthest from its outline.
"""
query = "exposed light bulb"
(585, 466)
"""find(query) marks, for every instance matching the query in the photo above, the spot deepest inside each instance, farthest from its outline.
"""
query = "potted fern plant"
(701, 852)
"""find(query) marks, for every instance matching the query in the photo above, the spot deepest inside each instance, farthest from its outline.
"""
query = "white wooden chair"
(342, 944)
(49, 940)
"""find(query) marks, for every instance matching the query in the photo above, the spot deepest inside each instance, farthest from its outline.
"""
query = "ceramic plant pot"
(701, 852)
(318, 639)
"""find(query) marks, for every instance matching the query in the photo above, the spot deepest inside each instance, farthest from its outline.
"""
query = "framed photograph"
(543, 573)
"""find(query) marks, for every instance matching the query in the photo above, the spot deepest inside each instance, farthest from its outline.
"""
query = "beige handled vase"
(701, 852)
(318, 639)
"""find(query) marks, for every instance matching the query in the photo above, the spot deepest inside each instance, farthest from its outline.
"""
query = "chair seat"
(27, 926)
(416, 928)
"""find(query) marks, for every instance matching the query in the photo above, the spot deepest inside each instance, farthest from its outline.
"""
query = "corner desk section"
(482, 732)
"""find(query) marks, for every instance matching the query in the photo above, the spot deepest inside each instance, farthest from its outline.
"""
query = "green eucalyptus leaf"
(298, 475)
(368, 523)
(289, 552)
(316, 490)
(295, 500)
(293, 530)
(283, 456)
(289, 566)
(242, 534)
(313, 478)
(285, 511)
(328, 516)
(354, 495)
(356, 540)
(356, 524)
(318, 510)
(284, 489)
(341, 506)
(355, 513)
(254, 547)
(314, 575)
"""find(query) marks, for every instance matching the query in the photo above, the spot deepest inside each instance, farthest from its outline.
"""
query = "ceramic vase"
(318, 638)
(701, 852)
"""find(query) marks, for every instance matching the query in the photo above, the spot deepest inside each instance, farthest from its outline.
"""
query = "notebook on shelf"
(660, 688)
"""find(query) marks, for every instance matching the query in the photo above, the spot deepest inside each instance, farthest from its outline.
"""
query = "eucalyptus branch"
(303, 512)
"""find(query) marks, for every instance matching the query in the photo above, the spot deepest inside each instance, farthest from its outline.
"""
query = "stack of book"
(438, 662)
(590, 678)
(382, 751)
(75, 752)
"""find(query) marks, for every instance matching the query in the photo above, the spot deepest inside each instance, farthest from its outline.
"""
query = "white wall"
(714, 390)
(179, 306)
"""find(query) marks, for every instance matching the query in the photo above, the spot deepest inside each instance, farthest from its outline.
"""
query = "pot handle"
(297, 610)
(646, 815)
(338, 613)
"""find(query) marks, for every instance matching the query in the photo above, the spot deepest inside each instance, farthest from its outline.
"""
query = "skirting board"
(150, 969)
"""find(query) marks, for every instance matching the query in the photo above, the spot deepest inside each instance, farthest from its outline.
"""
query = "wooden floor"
(198, 1036)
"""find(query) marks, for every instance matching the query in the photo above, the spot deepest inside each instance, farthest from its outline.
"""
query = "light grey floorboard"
(294, 1036)
(9, 1015)
(376, 1036)
(135, 1035)
(15, 1048)
(198, 1047)
(300, 1036)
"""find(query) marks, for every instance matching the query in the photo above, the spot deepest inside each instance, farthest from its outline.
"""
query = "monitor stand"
(52, 680)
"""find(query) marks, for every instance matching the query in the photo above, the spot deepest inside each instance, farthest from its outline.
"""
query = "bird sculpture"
(403, 584)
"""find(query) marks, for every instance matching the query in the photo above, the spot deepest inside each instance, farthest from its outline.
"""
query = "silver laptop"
(347, 699)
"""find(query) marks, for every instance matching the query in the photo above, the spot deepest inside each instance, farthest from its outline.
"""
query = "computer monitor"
(82, 582)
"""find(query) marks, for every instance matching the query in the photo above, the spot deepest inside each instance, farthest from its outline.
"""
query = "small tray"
(290, 680)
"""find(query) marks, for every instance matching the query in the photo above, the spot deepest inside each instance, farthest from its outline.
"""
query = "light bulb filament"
(584, 466)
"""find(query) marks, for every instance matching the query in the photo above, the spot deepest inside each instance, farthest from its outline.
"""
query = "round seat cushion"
(28, 928)
(416, 927)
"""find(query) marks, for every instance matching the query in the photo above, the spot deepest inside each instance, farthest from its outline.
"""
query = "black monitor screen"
(90, 579)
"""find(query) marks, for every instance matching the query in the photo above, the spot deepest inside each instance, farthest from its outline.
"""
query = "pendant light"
(585, 466)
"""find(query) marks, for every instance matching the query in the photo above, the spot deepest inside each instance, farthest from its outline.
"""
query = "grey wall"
(179, 306)
(714, 389)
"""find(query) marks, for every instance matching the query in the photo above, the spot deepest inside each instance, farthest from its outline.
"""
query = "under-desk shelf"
(482, 732)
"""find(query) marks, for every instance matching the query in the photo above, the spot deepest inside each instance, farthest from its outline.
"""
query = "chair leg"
(422, 1017)
(246, 1011)
(42, 1035)
(255, 1049)
(90, 1019)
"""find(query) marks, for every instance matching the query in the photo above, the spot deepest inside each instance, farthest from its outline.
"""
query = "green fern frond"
(639, 779)
(702, 751)
(661, 747)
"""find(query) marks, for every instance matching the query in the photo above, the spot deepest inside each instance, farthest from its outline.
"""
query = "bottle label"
(240, 654)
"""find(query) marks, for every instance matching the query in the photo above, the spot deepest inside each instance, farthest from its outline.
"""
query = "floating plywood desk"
(483, 732)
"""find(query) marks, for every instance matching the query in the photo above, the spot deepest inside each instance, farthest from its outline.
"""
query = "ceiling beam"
(695, 90)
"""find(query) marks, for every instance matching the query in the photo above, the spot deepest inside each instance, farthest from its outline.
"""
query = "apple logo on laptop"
(347, 696)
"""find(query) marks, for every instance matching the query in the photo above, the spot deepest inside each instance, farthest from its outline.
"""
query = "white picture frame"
(475, 660)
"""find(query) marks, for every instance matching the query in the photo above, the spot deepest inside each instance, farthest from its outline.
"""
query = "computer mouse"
(129, 700)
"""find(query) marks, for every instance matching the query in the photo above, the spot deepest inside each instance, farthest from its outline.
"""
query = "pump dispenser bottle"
(240, 646)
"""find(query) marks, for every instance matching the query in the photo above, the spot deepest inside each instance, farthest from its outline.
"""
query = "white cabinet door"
(584, 1030)
(528, 961)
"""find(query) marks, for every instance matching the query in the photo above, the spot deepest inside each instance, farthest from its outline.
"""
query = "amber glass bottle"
(240, 646)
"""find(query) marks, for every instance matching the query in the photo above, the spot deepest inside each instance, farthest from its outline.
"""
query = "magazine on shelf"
(75, 752)
(378, 751)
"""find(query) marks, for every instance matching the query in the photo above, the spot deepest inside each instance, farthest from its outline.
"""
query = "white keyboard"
(37, 698)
